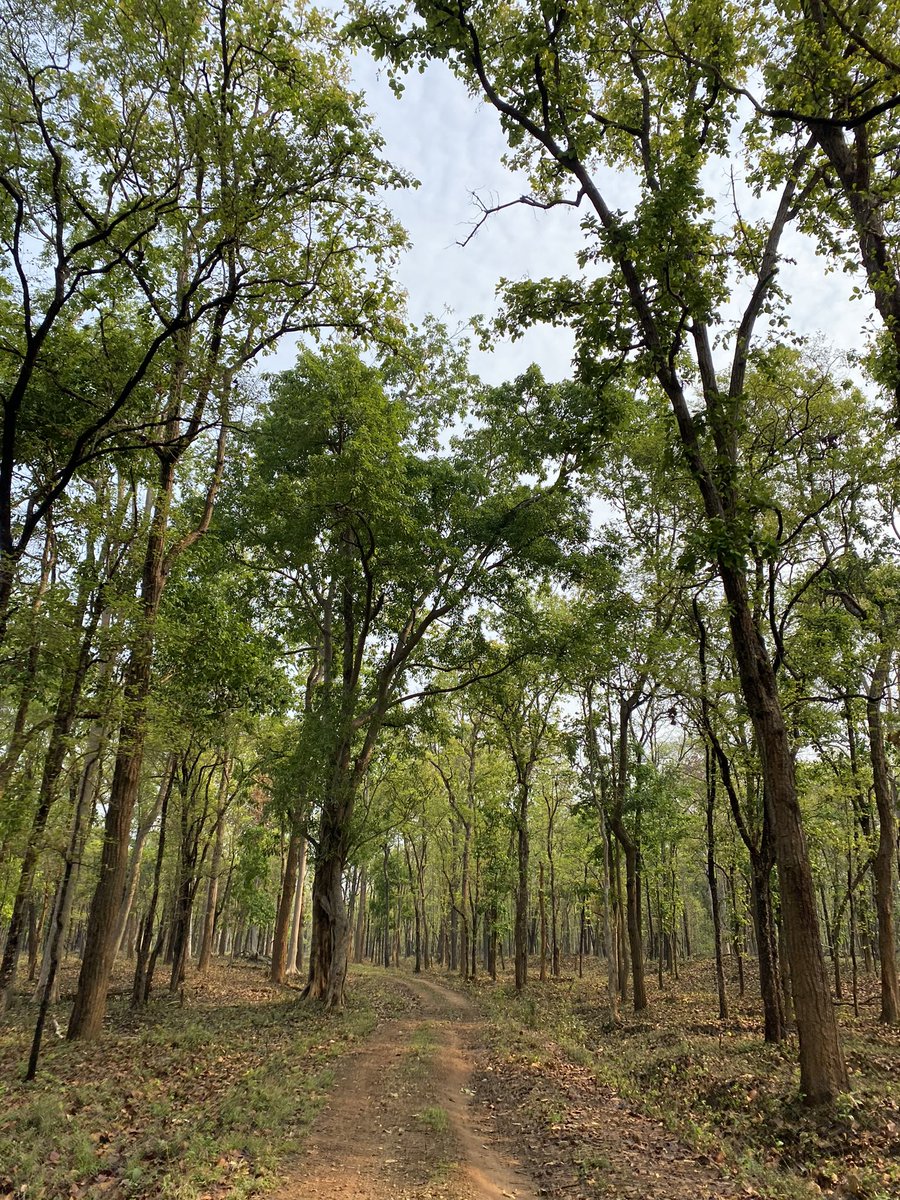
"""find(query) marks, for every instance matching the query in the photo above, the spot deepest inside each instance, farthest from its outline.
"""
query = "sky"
(452, 143)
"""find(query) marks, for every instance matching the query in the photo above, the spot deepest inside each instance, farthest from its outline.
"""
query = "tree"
(521, 705)
(382, 539)
(578, 90)
(258, 253)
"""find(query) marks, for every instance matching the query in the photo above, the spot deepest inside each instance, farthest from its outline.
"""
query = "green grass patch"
(435, 1118)
(180, 1101)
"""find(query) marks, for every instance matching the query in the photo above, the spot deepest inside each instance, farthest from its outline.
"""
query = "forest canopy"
(366, 658)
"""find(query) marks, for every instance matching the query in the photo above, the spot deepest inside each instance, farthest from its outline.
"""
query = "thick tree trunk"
(96, 968)
(823, 1072)
(884, 857)
(633, 917)
(330, 935)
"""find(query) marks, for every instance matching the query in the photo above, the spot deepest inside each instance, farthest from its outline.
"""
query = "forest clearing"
(428, 1088)
(449, 599)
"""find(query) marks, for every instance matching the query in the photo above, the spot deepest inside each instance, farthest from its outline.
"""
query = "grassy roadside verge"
(715, 1085)
(184, 1102)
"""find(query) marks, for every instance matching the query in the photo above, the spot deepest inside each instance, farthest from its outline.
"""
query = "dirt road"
(400, 1122)
(408, 1120)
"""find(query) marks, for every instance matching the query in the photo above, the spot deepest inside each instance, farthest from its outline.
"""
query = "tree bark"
(96, 969)
(330, 936)
(554, 899)
(633, 916)
(542, 910)
(521, 917)
(884, 857)
(142, 967)
(823, 1071)
(609, 930)
(714, 883)
(279, 965)
(767, 948)
(359, 939)
(295, 949)
(137, 853)
(215, 870)
(47, 984)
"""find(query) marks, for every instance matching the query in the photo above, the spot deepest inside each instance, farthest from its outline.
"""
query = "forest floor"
(726, 1099)
(427, 1109)
(430, 1088)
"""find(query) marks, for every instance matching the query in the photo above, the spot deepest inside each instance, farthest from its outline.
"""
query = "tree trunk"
(609, 933)
(823, 1072)
(854, 970)
(21, 734)
(767, 947)
(96, 968)
(329, 948)
(47, 985)
(359, 940)
(521, 918)
(714, 883)
(279, 965)
(141, 986)
(633, 917)
(67, 702)
(464, 885)
(85, 795)
(215, 869)
(554, 907)
(621, 934)
(295, 949)
(542, 909)
(884, 857)
(137, 852)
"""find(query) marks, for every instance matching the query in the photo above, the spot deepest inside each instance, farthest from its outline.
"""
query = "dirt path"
(401, 1124)
(420, 1111)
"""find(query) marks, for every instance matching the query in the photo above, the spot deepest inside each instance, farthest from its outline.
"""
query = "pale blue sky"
(453, 144)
